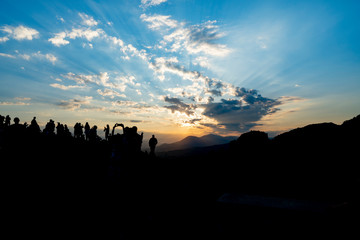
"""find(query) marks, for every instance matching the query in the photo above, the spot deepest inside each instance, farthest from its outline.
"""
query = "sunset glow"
(179, 67)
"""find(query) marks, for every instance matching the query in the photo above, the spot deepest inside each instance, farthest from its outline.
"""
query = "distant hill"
(195, 142)
(322, 134)
(314, 140)
(310, 134)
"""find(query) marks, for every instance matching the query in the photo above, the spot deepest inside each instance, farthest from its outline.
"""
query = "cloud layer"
(18, 33)
(152, 81)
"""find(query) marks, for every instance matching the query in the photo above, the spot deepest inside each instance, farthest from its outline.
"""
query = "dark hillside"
(194, 142)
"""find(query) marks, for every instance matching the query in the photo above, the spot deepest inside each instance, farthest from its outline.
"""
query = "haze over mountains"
(310, 136)
(195, 142)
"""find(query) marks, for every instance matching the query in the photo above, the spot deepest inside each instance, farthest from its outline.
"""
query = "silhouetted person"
(16, 122)
(78, 131)
(107, 131)
(93, 134)
(7, 121)
(2, 130)
(60, 131)
(152, 144)
(34, 127)
(87, 131)
(2, 118)
(67, 131)
(15, 132)
(50, 128)
(33, 121)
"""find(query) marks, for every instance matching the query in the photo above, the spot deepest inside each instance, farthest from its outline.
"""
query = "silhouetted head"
(153, 136)
(16, 120)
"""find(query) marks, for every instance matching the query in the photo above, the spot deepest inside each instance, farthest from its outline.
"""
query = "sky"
(181, 67)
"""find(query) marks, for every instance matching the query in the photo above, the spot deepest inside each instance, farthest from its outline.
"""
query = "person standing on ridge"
(107, 132)
(152, 144)
(87, 131)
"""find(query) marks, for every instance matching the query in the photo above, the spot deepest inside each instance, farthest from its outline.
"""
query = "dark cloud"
(172, 100)
(234, 115)
(193, 121)
(210, 99)
(138, 121)
(201, 34)
(179, 105)
(215, 92)
(206, 35)
(71, 104)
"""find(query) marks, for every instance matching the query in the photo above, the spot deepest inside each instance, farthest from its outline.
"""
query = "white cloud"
(123, 81)
(80, 78)
(196, 39)
(19, 33)
(116, 41)
(130, 49)
(48, 56)
(19, 102)
(3, 39)
(63, 87)
(74, 104)
(60, 19)
(62, 38)
(159, 21)
(103, 79)
(23, 98)
(149, 3)
(14, 104)
(261, 42)
(59, 39)
(202, 61)
(88, 20)
(25, 56)
(87, 33)
(7, 55)
(162, 65)
(110, 93)
(51, 58)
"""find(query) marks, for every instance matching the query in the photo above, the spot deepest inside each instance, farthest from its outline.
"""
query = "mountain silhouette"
(195, 142)
(310, 134)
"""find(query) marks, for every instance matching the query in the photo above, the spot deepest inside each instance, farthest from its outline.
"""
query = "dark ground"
(305, 183)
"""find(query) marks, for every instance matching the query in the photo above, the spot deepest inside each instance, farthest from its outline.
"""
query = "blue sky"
(181, 67)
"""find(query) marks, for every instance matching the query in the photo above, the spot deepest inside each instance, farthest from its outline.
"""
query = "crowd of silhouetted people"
(129, 141)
